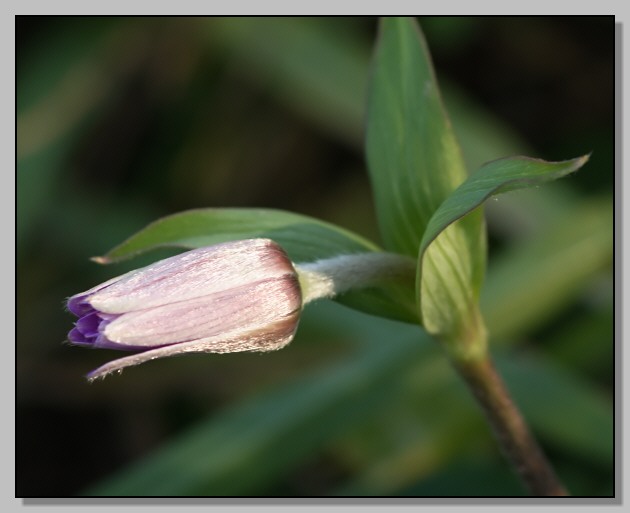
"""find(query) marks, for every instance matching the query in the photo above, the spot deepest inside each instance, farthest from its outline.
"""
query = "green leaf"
(415, 164)
(303, 238)
(412, 155)
(448, 289)
(493, 178)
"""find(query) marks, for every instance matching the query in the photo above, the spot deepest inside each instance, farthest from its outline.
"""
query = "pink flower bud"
(235, 296)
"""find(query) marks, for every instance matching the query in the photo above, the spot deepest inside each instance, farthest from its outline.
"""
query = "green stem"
(514, 437)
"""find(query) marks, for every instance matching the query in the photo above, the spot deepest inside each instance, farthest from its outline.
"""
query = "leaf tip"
(101, 260)
(580, 161)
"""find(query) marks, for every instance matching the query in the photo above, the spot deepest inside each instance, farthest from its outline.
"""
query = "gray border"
(446, 501)
(617, 270)
(325, 501)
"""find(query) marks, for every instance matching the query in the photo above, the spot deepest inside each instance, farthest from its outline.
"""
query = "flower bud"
(235, 296)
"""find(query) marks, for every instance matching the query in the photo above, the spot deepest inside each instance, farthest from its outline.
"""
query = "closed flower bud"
(235, 296)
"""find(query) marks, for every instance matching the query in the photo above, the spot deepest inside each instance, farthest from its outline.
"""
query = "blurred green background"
(123, 120)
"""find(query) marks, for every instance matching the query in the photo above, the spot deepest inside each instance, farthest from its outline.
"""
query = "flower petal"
(193, 274)
(79, 305)
(78, 339)
(228, 313)
(272, 338)
(88, 325)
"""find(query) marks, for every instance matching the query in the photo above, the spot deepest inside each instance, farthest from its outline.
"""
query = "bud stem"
(330, 277)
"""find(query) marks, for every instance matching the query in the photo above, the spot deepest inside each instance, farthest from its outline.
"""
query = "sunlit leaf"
(448, 289)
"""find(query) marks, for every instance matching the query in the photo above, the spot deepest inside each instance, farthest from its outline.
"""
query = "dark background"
(179, 116)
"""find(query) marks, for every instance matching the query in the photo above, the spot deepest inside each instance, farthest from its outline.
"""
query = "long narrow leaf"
(412, 155)
(303, 238)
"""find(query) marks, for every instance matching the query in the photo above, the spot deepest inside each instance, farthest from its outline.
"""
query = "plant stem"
(332, 276)
(514, 437)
